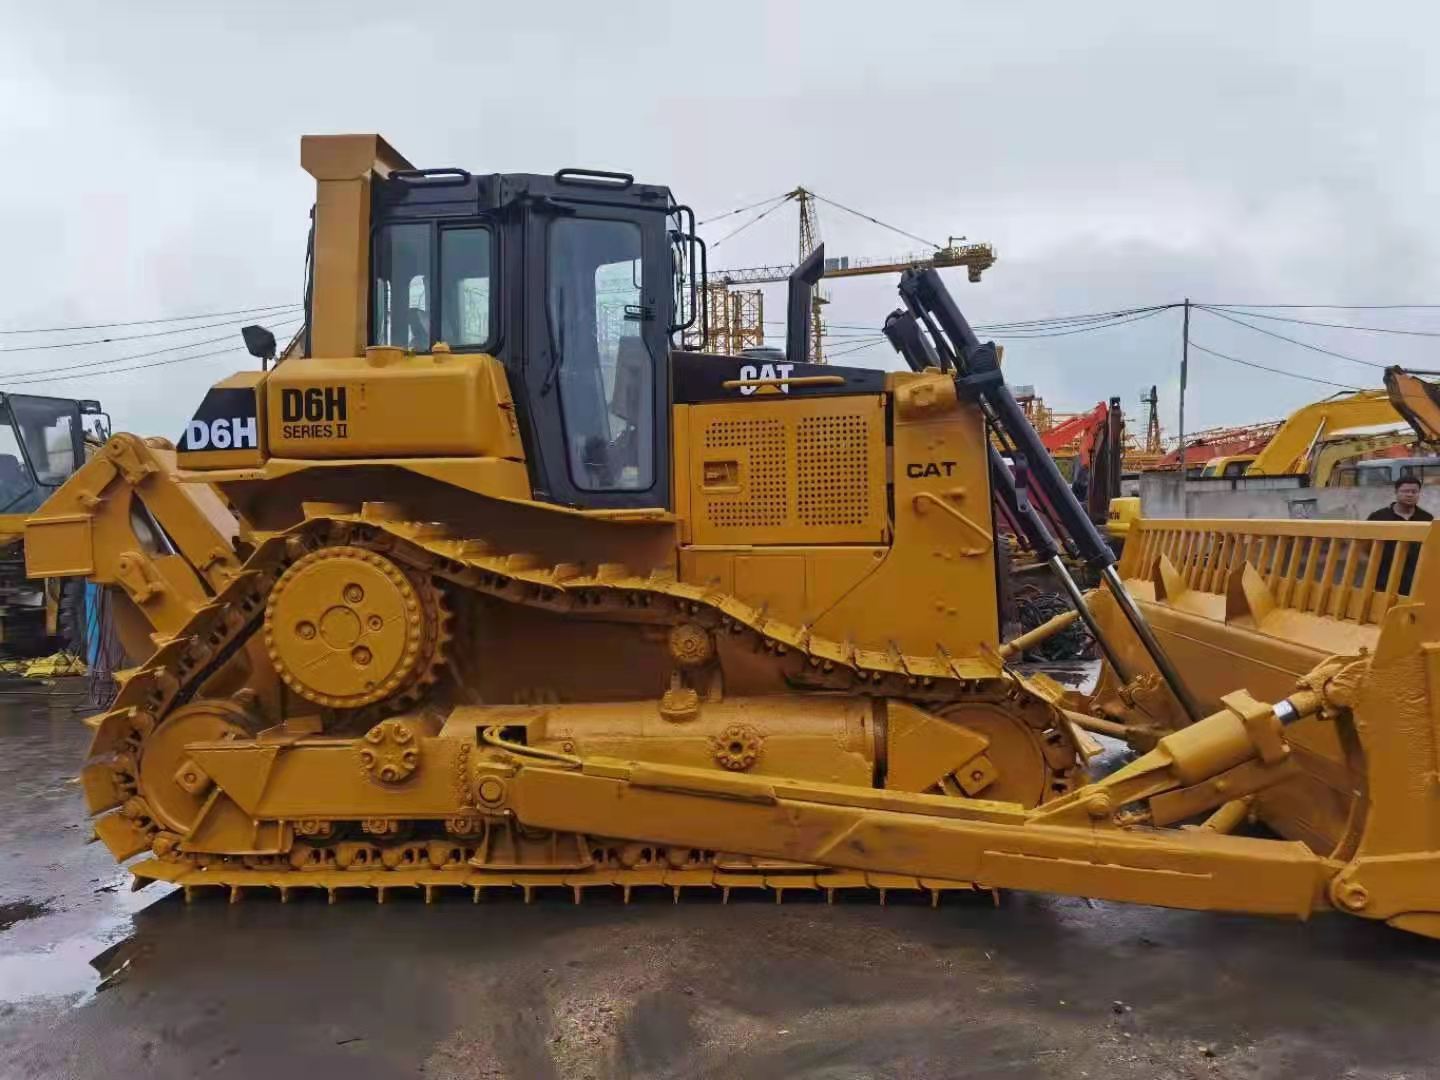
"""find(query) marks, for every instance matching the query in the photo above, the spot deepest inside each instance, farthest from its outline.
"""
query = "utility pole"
(1184, 374)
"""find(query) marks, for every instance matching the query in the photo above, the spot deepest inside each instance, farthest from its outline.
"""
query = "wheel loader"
(43, 440)
(487, 586)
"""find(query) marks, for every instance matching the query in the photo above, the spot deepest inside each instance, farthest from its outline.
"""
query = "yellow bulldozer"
(485, 585)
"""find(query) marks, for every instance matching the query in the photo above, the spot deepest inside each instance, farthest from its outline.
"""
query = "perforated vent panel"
(797, 471)
(832, 475)
(766, 502)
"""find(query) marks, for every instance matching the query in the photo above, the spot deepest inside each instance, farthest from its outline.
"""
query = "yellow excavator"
(1315, 441)
(487, 586)
(1290, 450)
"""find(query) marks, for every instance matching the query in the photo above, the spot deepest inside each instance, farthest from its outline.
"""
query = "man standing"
(1406, 507)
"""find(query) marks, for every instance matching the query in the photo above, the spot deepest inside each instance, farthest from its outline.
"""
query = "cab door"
(598, 297)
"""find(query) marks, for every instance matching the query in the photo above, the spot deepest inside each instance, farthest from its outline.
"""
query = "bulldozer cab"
(42, 441)
(575, 282)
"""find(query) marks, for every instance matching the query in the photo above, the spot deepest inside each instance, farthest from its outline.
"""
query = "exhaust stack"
(801, 286)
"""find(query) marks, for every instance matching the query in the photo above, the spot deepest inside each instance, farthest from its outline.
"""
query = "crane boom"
(976, 258)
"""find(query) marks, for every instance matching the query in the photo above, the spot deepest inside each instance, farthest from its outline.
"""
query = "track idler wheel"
(1017, 750)
(173, 786)
(347, 627)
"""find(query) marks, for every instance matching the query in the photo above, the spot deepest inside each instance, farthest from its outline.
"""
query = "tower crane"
(957, 251)
(1152, 423)
(1147, 455)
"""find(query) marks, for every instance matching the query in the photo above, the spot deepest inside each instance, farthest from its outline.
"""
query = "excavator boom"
(1417, 400)
(1288, 451)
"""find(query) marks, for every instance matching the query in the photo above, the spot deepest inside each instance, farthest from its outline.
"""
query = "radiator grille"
(806, 471)
(832, 470)
(768, 502)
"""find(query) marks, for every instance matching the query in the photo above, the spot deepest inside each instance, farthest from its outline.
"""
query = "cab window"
(408, 309)
(400, 298)
(15, 480)
(602, 361)
(465, 287)
(50, 428)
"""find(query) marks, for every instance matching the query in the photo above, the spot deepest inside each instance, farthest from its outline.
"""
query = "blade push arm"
(1086, 844)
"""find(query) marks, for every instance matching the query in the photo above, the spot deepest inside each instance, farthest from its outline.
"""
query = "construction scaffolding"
(734, 321)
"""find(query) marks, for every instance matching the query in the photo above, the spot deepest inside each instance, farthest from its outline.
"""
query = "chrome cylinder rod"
(1077, 601)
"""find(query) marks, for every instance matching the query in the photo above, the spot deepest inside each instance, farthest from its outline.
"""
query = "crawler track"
(468, 852)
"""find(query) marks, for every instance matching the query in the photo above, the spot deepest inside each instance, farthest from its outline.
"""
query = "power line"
(1330, 307)
(1334, 325)
(855, 349)
(877, 221)
(1135, 316)
(1061, 320)
(1292, 341)
(13, 375)
(853, 333)
(1021, 335)
(1274, 371)
(147, 322)
(135, 337)
(122, 371)
(834, 326)
(1026, 335)
(740, 210)
(752, 221)
(1049, 322)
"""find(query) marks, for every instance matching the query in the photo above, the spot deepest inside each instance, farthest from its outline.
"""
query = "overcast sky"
(1116, 154)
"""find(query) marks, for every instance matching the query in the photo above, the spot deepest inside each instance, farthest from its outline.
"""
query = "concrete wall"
(1264, 497)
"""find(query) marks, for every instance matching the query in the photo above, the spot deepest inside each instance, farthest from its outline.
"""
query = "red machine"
(1087, 448)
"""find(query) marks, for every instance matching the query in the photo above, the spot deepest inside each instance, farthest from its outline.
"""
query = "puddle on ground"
(79, 965)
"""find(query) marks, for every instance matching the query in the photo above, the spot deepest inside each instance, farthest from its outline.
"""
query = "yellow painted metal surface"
(387, 404)
(1287, 450)
(788, 472)
(798, 584)
(12, 528)
(1259, 604)
(1415, 399)
(343, 167)
(1120, 515)
(372, 659)
(698, 786)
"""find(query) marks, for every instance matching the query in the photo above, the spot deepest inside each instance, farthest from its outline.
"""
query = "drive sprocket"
(347, 627)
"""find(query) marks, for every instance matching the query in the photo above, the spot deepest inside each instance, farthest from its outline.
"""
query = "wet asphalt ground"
(96, 981)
